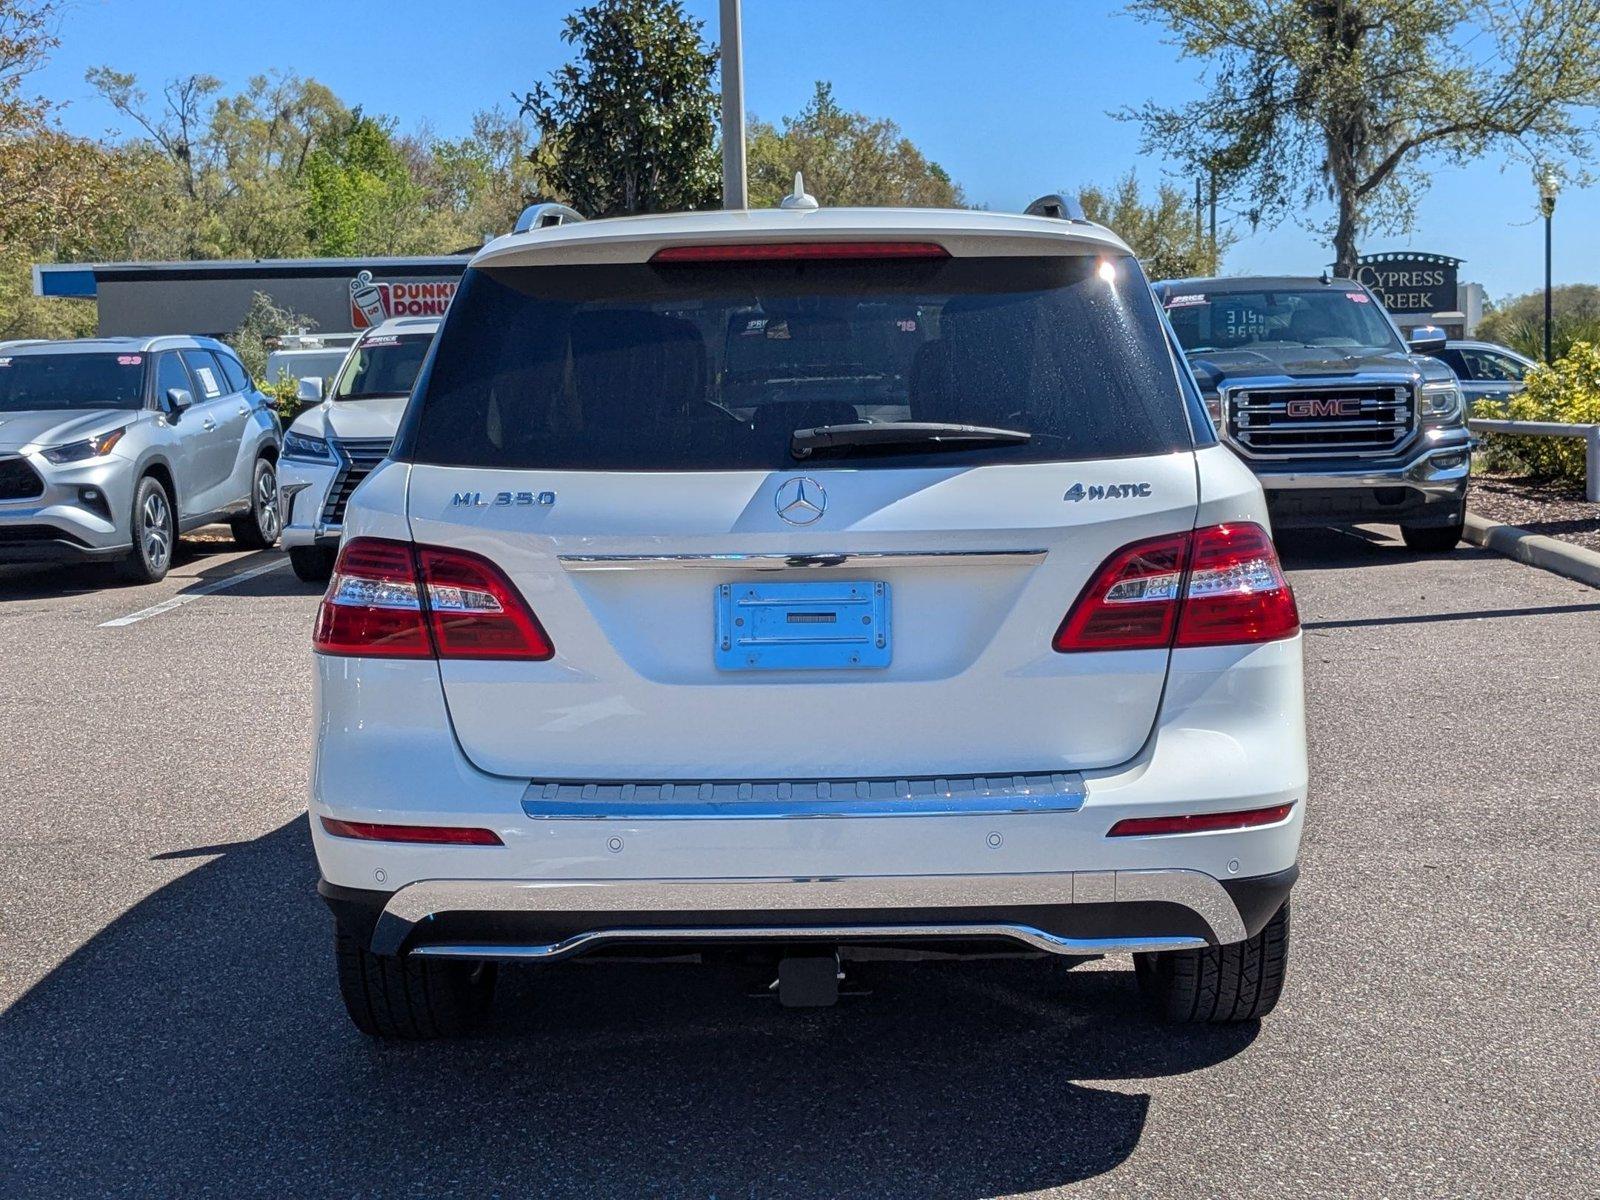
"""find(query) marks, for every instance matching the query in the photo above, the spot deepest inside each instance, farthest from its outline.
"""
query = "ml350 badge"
(502, 499)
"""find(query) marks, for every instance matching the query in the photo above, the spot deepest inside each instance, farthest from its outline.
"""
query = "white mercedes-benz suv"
(801, 584)
(329, 448)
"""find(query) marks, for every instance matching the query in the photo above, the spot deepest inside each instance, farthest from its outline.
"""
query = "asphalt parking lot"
(169, 1023)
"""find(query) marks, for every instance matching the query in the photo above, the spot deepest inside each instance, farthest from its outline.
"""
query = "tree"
(1161, 233)
(632, 122)
(1519, 321)
(263, 322)
(482, 182)
(64, 196)
(359, 190)
(1344, 100)
(847, 158)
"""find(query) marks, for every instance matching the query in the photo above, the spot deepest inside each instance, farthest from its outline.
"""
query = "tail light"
(1221, 585)
(797, 251)
(390, 599)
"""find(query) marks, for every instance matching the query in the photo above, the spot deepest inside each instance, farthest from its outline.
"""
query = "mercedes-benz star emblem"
(800, 501)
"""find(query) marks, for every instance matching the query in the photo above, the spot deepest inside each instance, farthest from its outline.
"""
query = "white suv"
(330, 448)
(789, 584)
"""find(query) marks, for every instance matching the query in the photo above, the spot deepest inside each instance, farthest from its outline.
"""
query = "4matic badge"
(1106, 491)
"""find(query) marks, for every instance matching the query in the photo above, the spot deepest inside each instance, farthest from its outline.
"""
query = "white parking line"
(191, 594)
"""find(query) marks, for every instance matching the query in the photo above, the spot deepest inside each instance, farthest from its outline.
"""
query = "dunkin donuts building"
(340, 294)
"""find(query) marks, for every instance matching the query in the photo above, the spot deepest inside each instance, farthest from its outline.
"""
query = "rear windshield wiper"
(890, 435)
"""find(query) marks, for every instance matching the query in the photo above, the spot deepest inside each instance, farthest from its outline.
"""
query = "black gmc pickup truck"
(1311, 383)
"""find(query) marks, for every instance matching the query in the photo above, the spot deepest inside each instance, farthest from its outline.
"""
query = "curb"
(1536, 550)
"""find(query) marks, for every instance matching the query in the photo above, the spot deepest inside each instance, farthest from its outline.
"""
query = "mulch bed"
(1555, 508)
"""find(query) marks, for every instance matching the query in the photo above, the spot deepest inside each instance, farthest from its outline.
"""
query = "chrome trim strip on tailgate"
(420, 901)
(786, 562)
(1038, 939)
(1060, 791)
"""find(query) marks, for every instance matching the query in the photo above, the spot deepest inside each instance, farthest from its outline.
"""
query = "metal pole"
(1547, 215)
(1216, 264)
(734, 191)
(1199, 219)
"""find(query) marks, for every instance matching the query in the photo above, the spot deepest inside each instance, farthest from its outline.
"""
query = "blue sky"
(1010, 95)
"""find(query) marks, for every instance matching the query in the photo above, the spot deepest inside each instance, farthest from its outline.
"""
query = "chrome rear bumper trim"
(743, 800)
(1038, 939)
(425, 899)
(786, 562)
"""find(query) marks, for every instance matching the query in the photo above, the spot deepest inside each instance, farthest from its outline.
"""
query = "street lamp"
(1549, 185)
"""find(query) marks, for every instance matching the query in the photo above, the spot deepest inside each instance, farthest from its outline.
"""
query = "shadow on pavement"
(1325, 549)
(197, 1044)
(38, 581)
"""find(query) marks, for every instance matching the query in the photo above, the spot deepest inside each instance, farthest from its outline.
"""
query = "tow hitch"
(808, 980)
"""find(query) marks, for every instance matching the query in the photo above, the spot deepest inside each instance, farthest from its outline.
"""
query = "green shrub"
(1569, 392)
(284, 392)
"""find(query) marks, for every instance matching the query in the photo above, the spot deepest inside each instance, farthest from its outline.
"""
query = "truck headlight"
(304, 448)
(95, 447)
(1440, 402)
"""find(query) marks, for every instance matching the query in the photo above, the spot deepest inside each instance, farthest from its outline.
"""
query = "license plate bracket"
(824, 625)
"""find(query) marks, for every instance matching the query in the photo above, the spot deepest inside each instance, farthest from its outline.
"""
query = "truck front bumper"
(1429, 488)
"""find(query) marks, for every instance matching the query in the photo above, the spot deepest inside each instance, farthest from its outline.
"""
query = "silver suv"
(112, 447)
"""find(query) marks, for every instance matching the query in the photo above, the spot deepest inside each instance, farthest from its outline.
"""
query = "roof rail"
(1056, 206)
(545, 216)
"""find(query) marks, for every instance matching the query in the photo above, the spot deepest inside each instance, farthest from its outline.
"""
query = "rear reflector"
(1220, 585)
(391, 599)
(1200, 822)
(794, 251)
(431, 835)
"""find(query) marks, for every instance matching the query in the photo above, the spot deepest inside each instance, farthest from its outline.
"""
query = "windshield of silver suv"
(38, 382)
(1331, 317)
(695, 366)
(385, 365)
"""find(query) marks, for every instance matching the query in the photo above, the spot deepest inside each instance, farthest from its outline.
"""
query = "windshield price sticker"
(385, 340)
(5, 362)
(1184, 301)
(1358, 297)
(129, 360)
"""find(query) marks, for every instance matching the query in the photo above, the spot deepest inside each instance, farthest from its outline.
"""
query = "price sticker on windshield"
(1358, 297)
(1185, 301)
(129, 360)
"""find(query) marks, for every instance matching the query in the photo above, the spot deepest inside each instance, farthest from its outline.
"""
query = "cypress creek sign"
(1411, 282)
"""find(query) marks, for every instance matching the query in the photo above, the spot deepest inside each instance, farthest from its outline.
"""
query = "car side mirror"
(178, 399)
(310, 390)
(1427, 339)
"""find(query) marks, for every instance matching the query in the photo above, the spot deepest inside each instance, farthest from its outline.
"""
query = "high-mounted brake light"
(391, 599)
(797, 251)
(429, 835)
(1221, 585)
(1200, 822)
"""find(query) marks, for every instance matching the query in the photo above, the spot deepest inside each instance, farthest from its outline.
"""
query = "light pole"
(734, 193)
(1549, 185)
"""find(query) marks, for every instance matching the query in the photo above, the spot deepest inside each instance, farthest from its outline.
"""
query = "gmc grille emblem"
(1324, 408)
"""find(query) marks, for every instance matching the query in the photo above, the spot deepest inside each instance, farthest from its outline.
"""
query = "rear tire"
(1433, 540)
(1219, 984)
(312, 564)
(411, 999)
(154, 531)
(258, 528)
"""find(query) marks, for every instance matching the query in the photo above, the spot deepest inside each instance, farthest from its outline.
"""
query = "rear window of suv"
(712, 366)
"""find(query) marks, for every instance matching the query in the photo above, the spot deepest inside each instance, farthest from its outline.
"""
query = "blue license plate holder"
(827, 625)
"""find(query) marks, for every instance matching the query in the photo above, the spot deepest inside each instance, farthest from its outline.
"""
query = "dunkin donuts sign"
(374, 301)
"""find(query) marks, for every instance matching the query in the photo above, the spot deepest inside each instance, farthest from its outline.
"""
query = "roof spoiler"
(1057, 207)
(545, 216)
